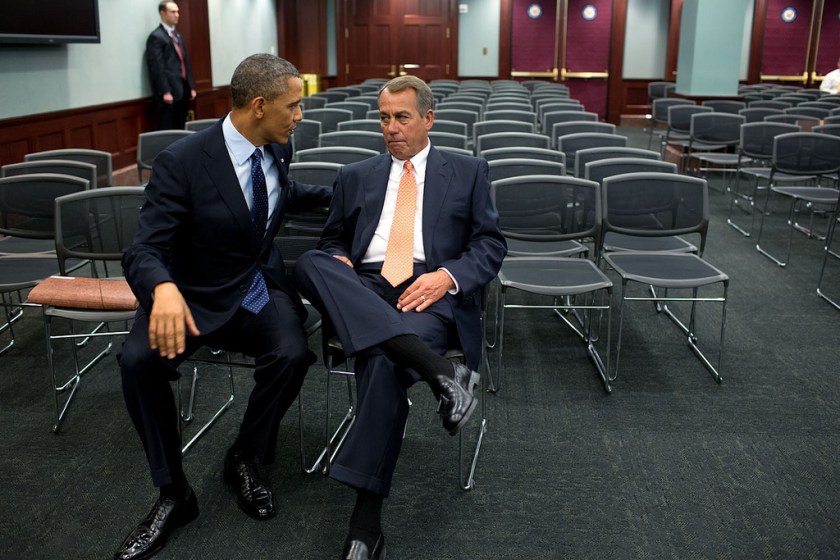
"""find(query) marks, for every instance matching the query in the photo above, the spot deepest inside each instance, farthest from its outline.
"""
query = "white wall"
(39, 79)
(238, 29)
(646, 39)
(478, 29)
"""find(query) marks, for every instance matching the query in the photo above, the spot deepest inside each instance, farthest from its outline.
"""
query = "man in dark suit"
(399, 319)
(206, 272)
(169, 69)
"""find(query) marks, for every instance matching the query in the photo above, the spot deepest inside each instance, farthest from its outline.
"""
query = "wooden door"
(386, 38)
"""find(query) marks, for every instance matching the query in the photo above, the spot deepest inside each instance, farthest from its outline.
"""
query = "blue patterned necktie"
(257, 295)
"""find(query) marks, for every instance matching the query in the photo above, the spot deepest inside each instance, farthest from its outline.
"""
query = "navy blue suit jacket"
(195, 229)
(165, 66)
(460, 227)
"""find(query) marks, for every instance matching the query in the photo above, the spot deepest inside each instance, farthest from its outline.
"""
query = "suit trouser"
(173, 115)
(361, 307)
(274, 337)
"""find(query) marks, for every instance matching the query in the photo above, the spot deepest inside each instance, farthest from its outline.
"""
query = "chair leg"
(185, 417)
(761, 231)
(828, 252)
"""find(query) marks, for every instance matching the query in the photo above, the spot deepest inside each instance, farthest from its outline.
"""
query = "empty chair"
(150, 144)
(349, 90)
(516, 167)
(310, 102)
(553, 117)
(358, 110)
(725, 105)
(552, 106)
(546, 154)
(828, 252)
(328, 117)
(509, 106)
(818, 104)
(493, 127)
(80, 169)
(551, 209)
(833, 129)
(199, 124)
(586, 155)
(756, 147)
(770, 104)
(459, 115)
(354, 138)
(307, 134)
(832, 119)
(816, 112)
(335, 154)
(569, 144)
(372, 101)
(369, 125)
(461, 105)
(331, 96)
(313, 173)
(757, 114)
(679, 127)
(802, 153)
(575, 127)
(448, 139)
(711, 132)
(804, 122)
(102, 161)
(659, 113)
(510, 139)
(453, 150)
(664, 204)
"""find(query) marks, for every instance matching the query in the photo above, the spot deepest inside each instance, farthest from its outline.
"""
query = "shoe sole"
(475, 377)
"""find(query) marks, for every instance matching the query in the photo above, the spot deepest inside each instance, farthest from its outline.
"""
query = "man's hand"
(423, 292)
(169, 315)
(168, 99)
(344, 259)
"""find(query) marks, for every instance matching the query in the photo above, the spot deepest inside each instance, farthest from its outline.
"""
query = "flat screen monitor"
(49, 21)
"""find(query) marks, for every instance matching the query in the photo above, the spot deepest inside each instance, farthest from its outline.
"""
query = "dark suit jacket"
(165, 66)
(195, 229)
(460, 227)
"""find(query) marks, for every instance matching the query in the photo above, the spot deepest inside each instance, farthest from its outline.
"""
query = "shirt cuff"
(457, 288)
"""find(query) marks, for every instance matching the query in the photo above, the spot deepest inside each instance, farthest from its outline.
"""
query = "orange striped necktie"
(399, 255)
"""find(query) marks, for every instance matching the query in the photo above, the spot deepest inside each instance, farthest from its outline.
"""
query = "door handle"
(393, 71)
(404, 67)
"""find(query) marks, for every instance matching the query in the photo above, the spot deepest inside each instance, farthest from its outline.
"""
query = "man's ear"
(258, 107)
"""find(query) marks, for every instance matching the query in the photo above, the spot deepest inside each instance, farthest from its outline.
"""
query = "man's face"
(282, 114)
(171, 14)
(405, 131)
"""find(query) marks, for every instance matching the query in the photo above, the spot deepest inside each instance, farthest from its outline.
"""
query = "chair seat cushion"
(84, 293)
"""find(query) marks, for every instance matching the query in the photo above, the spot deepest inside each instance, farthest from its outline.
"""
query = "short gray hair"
(260, 75)
(425, 99)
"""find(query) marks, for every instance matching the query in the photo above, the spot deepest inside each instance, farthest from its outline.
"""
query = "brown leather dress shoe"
(255, 497)
(457, 401)
(150, 535)
(357, 550)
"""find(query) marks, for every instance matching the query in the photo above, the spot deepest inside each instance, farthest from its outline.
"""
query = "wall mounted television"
(49, 21)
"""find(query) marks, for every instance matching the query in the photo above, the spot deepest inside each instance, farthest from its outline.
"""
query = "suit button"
(243, 289)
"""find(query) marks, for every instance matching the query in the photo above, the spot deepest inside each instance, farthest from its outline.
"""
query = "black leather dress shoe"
(357, 550)
(150, 535)
(255, 498)
(457, 401)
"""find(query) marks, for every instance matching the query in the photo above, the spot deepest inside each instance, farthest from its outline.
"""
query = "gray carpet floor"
(670, 465)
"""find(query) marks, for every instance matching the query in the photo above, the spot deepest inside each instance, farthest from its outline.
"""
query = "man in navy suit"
(205, 271)
(398, 329)
(169, 69)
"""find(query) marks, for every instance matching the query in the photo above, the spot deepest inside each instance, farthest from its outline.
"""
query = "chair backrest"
(584, 156)
(757, 114)
(722, 129)
(482, 128)
(576, 127)
(600, 169)
(516, 167)
(509, 139)
(757, 138)
(307, 134)
(679, 117)
(328, 117)
(453, 127)
(818, 104)
(806, 153)
(511, 115)
(96, 224)
(832, 119)
(571, 143)
(372, 101)
(656, 205)
(461, 105)
(314, 172)
(771, 104)
(805, 122)
(27, 203)
(656, 90)
(659, 107)
(312, 102)
(331, 96)
(354, 139)
(527, 152)
(459, 115)
(448, 139)
(335, 154)
(358, 110)
(816, 112)
(199, 124)
(548, 208)
(150, 144)
(725, 105)
(553, 117)
(369, 125)
(62, 167)
(102, 160)
(832, 129)
(451, 149)
(496, 105)
(543, 106)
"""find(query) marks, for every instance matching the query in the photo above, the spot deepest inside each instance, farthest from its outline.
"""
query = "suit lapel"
(223, 177)
(438, 179)
(375, 180)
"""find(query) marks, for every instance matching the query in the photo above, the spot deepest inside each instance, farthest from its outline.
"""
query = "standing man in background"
(831, 82)
(169, 69)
